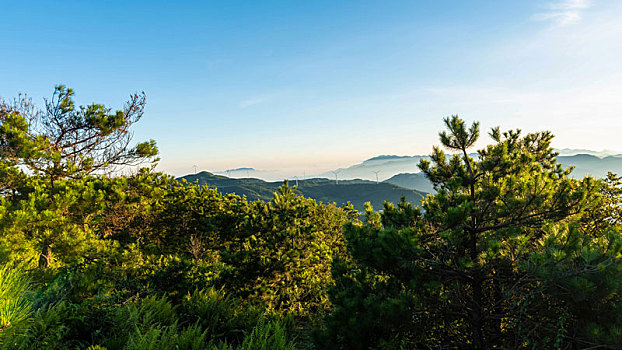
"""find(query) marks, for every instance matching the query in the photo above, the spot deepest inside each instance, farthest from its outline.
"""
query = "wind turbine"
(195, 169)
(376, 172)
(336, 180)
(296, 177)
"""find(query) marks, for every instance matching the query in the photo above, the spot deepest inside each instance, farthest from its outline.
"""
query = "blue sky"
(315, 85)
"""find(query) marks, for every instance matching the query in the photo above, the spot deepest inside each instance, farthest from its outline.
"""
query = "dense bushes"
(113, 244)
(65, 317)
(145, 261)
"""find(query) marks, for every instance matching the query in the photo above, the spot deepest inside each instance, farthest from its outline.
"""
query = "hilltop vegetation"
(510, 252)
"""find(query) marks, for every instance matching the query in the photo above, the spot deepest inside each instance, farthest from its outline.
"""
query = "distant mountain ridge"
(387, 157)
(413, 181)
(586, 164)
(576, 151)
(403, 171)
(242, 169)
(355, 191)
(384, 166)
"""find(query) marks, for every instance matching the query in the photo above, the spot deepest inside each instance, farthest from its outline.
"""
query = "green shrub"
(224, 317)
(141, 321)
(49, 330)
(14, 306)
(266, 336)
(167, 337)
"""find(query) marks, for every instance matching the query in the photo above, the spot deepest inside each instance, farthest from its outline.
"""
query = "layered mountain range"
(404, 171)
(385, 177)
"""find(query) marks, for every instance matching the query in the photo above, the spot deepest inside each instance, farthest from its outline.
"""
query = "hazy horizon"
(285, 172)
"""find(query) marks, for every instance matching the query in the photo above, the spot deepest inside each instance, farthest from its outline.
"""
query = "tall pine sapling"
(480, 266)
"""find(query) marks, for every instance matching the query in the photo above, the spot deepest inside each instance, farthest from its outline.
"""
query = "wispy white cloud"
(260, 98)
(252, 101)
(563, 12)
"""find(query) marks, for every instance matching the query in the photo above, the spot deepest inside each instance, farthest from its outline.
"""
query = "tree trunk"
(498, 309)
(46, 255)
(477, 315)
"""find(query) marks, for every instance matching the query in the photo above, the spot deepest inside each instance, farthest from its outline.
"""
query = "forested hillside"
(356, 192)
(510, 252)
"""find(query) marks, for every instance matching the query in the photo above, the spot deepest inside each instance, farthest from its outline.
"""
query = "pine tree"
(496, 258)
(66, 141)
(42, 148)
